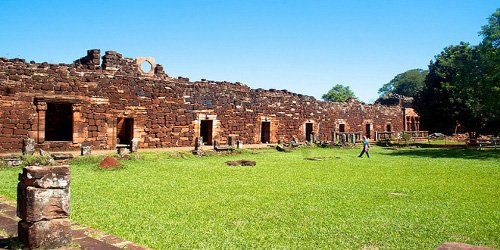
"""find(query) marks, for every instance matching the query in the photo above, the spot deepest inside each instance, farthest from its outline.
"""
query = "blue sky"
(302, 46)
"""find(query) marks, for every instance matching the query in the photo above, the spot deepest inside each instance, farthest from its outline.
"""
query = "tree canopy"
(339, 93)
(408, 83)
(463, 86)
(491, 31)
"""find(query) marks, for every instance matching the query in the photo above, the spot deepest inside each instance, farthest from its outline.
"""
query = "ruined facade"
(102, 103)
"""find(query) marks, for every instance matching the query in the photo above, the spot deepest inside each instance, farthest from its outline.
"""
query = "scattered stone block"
(86, 150)
(134, 147)
(122, 149)
(12, 160)
(241, 163)
(28, 146)
(281, 148)
(61, 156)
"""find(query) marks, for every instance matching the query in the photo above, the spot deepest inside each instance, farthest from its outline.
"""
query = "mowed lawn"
(398, 199)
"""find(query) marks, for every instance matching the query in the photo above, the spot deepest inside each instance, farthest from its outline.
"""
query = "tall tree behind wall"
(463, 86)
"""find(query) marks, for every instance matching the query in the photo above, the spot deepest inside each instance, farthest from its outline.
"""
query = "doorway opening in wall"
(368, 129)
(125, 130)
(309, 130)
(388, 127)
(206, 129)
(59, 122)
(341, 128)
(265, 132)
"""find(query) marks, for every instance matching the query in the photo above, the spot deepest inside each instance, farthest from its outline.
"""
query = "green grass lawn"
(398, 199)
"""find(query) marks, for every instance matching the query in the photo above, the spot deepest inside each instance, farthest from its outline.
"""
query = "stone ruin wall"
(166, 112)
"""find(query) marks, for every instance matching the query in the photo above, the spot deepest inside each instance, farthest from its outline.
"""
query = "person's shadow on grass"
(485, 154)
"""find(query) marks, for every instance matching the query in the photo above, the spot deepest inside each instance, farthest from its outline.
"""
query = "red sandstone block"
(7, 131)
(46, 176)
(45, 234)
(36, 204)
(20, 131)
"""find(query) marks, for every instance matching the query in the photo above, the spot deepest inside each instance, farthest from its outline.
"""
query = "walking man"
(366, 147)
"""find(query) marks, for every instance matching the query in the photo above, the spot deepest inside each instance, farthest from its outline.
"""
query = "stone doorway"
(388, 128)
(368, 130)
(309, 130)
(265, 132)
(206, 131)
(342, 128)
(59, 122)
(125, 130)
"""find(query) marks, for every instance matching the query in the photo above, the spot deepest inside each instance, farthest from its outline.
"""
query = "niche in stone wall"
(59, 122)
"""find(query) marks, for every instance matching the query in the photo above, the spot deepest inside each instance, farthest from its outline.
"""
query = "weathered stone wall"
(166, 112)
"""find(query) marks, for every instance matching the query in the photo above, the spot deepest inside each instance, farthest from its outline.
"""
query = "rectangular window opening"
(59, 122)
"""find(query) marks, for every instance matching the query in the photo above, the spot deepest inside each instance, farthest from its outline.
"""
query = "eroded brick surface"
(162, 111)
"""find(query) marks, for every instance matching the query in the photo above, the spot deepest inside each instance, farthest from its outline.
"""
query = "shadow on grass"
(447, 153)
(10, 243)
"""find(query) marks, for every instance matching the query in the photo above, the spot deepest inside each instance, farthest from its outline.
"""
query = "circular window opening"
(146, 67)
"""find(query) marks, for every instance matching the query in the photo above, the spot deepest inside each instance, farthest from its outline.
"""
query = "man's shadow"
(10, 243)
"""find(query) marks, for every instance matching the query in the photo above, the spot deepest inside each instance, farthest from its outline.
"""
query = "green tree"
(463, 86)
(491, 31)
(339, 93)
(408, 83)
